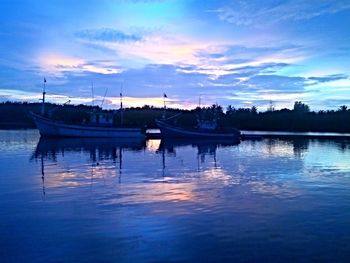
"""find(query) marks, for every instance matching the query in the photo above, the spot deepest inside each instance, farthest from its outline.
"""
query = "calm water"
(120, 201)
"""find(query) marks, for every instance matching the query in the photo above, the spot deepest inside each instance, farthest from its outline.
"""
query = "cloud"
(108, 35)
(210, 57)
(263, 86)
(329, 78)
(57, 64)
(262, 79)
(262, 68)
(147, 46)
(227, 59)
(258, 14)
(334, 103)
(246, 87)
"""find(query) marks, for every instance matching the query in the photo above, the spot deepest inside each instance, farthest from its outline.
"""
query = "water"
(120, 201)
(300, 134)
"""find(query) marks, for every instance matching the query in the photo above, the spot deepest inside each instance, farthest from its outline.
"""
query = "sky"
(239, 53)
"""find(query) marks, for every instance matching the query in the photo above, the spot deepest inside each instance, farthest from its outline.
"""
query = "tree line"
(300, 118)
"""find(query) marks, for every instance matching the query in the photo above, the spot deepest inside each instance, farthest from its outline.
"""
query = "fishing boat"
(53, 128)
(204, 130)
(100, 125)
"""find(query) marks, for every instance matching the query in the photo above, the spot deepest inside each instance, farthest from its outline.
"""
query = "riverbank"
(154, 134)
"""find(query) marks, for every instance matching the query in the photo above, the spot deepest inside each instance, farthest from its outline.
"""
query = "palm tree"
(343, 108)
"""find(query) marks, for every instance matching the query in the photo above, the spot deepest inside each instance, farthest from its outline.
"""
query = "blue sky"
(242, 53)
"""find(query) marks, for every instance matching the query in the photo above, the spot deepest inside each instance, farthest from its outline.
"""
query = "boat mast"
(199, 115)
(121, 106)
(104, 98)
(92, 94)
(43, 99)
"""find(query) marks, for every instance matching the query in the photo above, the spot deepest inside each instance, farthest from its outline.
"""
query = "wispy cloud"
(108, 35)
(254, 13)
(56, 64)
(329, 78)
(228, 59)
(161, 49)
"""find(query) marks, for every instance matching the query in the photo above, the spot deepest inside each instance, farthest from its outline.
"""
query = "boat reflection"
(203, 146)
(49, 150)
(64, 160)
(98, 149)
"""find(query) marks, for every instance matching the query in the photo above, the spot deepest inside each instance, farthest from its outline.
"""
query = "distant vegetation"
(300, 118)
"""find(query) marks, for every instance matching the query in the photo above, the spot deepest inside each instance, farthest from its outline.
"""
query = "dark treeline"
(300, 118)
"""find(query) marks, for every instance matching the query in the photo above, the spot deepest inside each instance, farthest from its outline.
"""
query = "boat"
(206, 128)
(99, 126)
(200, 132)
(53, 128)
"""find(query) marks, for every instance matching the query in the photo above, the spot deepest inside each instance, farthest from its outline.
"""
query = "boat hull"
(52, 128)
(169, 131)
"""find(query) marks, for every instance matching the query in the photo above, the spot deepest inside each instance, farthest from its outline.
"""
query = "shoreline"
(153, 134)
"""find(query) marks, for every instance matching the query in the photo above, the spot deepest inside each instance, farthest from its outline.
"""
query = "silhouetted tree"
(301, 107)
(254, 110)
(343, 108)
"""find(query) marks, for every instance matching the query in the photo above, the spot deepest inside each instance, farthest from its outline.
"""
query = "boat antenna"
(43, 99)
(121, 104)
(104, 97)
(92, 94)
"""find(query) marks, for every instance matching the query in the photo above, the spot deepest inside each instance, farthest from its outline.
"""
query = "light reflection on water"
(119, 200)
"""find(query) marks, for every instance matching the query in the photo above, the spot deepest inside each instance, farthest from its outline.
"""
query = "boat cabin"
(207, 124)
(102, 118)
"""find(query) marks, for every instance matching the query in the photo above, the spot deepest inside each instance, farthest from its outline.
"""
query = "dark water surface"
(120, 201)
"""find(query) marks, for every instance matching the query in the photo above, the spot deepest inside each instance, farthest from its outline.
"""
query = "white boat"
(54, 128)
(99, 126)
